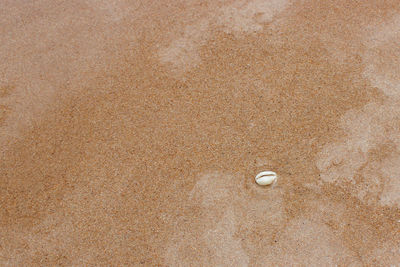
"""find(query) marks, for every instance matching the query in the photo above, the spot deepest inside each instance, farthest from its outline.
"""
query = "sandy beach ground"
(131, 132)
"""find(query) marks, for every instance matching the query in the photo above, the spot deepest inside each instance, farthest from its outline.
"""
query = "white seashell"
(266, 178)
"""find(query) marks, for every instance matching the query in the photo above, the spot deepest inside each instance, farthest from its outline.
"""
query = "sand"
(131, 133)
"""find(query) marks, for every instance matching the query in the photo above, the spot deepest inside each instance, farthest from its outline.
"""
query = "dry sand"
(131, 132)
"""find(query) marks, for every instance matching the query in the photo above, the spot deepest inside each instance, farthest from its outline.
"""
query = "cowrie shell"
(266, 178)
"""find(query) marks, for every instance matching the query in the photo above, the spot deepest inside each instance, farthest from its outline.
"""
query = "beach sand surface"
(131, 133)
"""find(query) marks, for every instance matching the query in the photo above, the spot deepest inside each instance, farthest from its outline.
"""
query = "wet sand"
(131, 132)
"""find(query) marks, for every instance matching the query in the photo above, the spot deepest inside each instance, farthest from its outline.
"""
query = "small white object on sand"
(266, 178)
